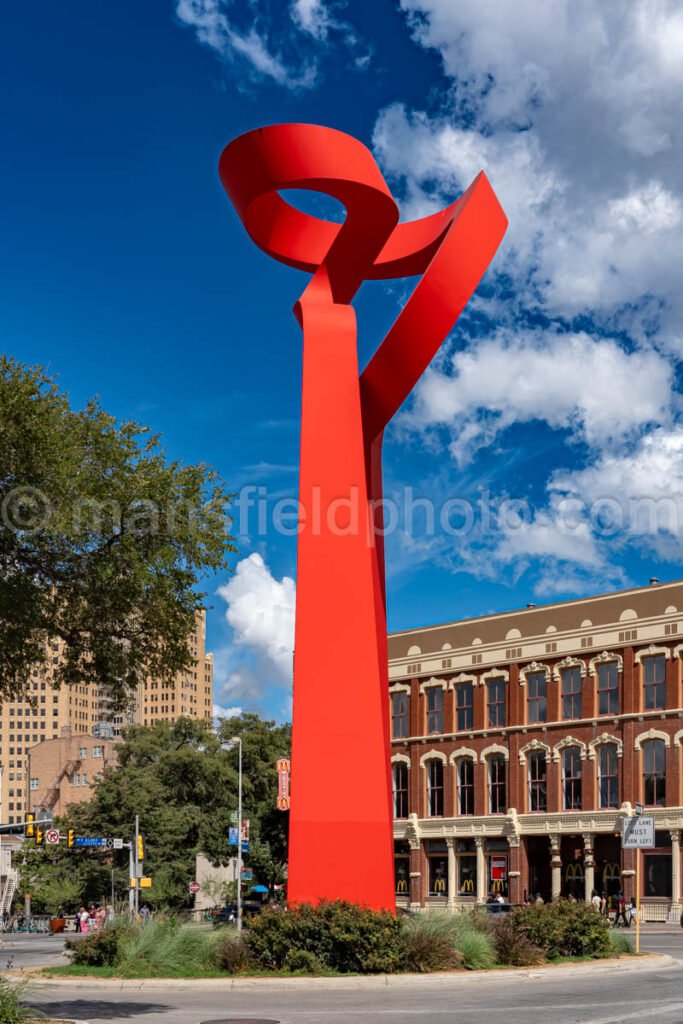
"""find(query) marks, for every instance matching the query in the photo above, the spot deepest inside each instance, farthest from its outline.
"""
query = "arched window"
(495, 693)
(608, 775)
(571, 778)
(654, 773)
(654, 682)
(465, 785)
(400, 780)
(497, 787)
(538, 781)
(434, 770)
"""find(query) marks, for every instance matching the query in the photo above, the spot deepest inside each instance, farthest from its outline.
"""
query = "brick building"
(47, 711)
(63, 771)
(520, 740)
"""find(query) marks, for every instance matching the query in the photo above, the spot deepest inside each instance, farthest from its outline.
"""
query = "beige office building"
(48, 714)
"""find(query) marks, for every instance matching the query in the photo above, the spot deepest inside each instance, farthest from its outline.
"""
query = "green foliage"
(620, 944)
(13, 1010)
(565, 929)
(342, 936)
(184, 787)
(477, 949)
(97, 949)
(428, 941)
(165, 949)
(513, 947)
(301, 961)
(232, 954)
(56, 891)
(102, 545)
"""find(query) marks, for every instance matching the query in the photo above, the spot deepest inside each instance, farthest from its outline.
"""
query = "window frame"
(466, 724)
(539, 784)
(533, 679)
(465, 789)
(572, 699)
(435, 788)
(612, 779)
(572, 785)
(499, 704)
(400, 794)
(610, 691)
(657, 687)
(657, 776)
(434, 715)
(497, 786)
(402, 715)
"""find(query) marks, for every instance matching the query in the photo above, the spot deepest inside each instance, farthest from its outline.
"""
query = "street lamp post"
(236, 740)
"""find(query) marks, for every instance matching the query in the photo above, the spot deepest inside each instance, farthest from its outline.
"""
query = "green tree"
(182, 782)
(103, 541)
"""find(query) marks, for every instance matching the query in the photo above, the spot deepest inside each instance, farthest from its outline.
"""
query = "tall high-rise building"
(46, 711)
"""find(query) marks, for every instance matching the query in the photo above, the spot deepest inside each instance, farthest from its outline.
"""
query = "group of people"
(625, 910)
(90, 919)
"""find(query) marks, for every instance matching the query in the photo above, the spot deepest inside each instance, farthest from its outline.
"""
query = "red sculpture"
(341, 842)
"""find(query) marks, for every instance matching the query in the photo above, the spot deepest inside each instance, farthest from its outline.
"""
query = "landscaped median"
(342, 939)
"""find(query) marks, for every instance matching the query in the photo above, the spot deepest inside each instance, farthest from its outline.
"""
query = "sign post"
(283, 769)
(637, 833)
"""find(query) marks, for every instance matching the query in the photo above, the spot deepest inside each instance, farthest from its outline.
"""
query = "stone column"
(452, 886)
(675, 875)
(555, 866)
(415, 875)
(481, 870)
(514, 871)
(589, 866)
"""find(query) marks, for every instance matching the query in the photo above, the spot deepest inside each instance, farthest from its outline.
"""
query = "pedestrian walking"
(596, 902)
(621, 912)
(85, 917)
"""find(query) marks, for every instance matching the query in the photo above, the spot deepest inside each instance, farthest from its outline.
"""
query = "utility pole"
(238, 740)
(137, 865)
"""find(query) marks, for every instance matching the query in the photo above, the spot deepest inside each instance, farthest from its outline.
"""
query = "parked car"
(228, 913)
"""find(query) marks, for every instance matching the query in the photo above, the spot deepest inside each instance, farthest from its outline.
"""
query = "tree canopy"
(103, 541)
(183, 785)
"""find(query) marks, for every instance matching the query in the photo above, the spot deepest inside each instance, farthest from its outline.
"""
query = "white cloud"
(261, 613)
(312, 16)
(215, 30)
(593, 388)
(221, 712)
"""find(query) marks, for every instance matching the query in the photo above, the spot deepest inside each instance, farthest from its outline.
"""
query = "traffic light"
(29, 827)
(71, 838)
(141, 848)
(40, 836)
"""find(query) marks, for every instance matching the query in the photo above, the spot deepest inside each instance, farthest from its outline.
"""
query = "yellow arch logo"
(401, 885)
(440, 885)
(467, 885)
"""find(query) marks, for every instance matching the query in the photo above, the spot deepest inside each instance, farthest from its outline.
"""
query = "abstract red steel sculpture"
(341, 844)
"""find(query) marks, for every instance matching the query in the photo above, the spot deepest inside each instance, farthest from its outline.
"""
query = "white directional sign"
(52, 837)
(637, 833)
(118, 844)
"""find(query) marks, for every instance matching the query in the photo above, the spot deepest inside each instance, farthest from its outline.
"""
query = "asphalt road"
(563, 995)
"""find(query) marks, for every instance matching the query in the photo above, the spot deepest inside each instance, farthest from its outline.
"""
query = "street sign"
(637, 833)
(283, 769)
(194, 888)
(109, 844)
(245, 829)
(90, 841)
(639, 809)
(52, 837)
(245, 846)
(232, 837)
(233, 817)
(118, 844)
(247, 874)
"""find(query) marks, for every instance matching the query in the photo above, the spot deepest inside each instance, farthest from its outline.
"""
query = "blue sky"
(552, 415)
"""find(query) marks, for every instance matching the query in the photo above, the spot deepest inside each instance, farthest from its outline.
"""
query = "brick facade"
(598, 754)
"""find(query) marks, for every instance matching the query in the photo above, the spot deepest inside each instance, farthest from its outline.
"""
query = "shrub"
(512, 945)
(428, 944)
(97, 949)
(232, 954)
(12, 1009)
(342, 936)
(166, 949)
(565, 929)
(301, 961)
(477, 948)
(620, 944)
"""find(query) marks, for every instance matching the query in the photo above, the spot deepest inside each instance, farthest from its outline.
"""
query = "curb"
(645, 962)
